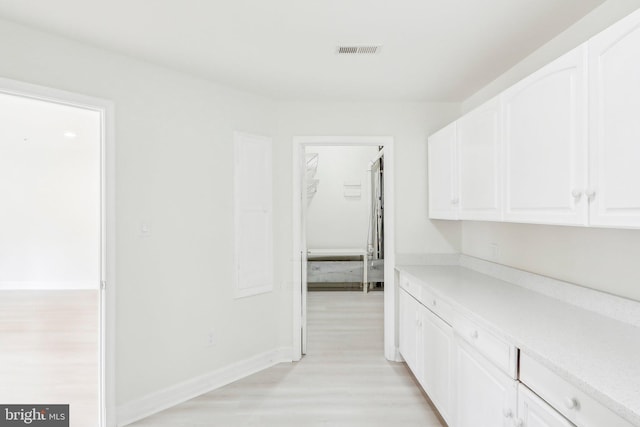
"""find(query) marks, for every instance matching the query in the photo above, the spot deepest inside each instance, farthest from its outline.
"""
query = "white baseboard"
(173, 395)
(398, 357)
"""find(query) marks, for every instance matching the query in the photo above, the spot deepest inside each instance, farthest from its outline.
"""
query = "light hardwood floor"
(343, 381)
(49, 351)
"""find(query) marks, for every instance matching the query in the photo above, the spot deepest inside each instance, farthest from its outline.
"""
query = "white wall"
(50, 187)
(591, 24)
(333, 220)
(409, 124)
(598, 258)
(174, 137)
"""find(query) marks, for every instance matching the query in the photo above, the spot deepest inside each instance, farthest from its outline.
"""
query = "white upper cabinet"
(479, 147)
(562, 146)
(443, 174)
(614, 118)
(545, 144)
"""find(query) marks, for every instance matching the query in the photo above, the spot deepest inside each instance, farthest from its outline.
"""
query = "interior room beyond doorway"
(344, 217)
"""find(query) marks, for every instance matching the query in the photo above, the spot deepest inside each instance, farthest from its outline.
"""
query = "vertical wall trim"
(253, 214)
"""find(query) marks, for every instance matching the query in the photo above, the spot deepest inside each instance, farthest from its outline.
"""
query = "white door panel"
(614, 89)
(545, 144)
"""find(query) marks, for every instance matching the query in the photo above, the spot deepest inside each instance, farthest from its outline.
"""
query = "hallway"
(344, 379)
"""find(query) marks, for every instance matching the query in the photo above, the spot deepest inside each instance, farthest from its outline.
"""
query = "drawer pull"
(474, 335)
(572, 403)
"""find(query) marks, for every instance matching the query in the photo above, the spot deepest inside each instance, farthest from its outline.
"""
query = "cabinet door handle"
(474, 335)
(454, 201)
(591, 194)
(507, 412)
(576, 193)
(571, 403)
(518, 423)
(434, 303)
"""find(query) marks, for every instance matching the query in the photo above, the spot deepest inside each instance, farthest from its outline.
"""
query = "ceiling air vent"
(358, 50)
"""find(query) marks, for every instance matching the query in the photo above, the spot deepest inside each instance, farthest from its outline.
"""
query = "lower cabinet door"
(485, 396)
(437, 376)
(535, 412)
(410, 332)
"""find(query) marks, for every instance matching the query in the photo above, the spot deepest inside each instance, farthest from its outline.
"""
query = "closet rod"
(376, 158)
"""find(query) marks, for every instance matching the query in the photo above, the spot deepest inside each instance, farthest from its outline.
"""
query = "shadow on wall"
(449, 231)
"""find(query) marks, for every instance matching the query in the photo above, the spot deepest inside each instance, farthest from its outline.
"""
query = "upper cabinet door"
(443, 175)
(479, 146)
(545, 144)
(614, 89)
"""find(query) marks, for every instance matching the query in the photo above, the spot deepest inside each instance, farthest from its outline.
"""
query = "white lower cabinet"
(410, 333)
(573, 403)
(476, 378)
(535, 412)
(484, 395)
(426, 344)
(437, 372)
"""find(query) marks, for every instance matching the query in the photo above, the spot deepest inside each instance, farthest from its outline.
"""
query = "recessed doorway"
(303, 185)
(56, 252)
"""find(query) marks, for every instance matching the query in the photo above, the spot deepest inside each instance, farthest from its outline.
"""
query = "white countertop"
(599, 355)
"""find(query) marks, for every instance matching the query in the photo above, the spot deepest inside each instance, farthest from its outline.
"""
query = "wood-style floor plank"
(49, 350)
(343, 381)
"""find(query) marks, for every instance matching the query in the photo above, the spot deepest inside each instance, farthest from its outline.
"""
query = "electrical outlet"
(145, 229)
(211, 338)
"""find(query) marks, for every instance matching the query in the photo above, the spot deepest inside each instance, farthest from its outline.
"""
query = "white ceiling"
(433, 50)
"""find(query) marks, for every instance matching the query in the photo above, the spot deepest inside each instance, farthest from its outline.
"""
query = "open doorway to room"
(343, 227)
(53, 255)
(344, 221)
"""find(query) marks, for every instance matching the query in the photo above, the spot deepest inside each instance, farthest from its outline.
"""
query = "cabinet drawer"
(494, 348)
(438, 306)
(411, 286)
(533, 411)
(577, 406)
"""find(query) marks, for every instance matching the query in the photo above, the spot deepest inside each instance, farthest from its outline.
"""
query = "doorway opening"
(57, 276)
(354, 252)
(344, 220)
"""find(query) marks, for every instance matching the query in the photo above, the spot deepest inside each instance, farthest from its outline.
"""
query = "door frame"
(107, 415)
(298, 221)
